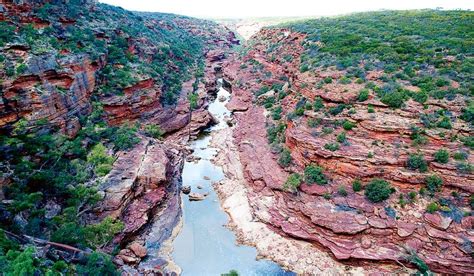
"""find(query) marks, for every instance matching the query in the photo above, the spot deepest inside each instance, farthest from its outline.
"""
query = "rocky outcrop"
(354, 230)
(56, 91)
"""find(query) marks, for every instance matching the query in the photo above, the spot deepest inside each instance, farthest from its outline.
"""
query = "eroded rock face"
(352, 228)
(55, 90)
(136, 185)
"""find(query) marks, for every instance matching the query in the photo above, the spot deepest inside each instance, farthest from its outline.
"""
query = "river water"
(204, 245)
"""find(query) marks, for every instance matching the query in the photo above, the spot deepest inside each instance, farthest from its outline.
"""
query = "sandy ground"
(298, 256)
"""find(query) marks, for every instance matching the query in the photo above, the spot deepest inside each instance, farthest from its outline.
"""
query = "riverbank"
(298, 256)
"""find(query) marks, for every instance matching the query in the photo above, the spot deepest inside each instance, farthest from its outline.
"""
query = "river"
(204, 246)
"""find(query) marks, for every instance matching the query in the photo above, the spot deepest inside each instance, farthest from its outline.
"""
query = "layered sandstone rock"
(351, 228)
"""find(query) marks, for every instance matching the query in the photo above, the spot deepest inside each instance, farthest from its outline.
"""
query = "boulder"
(138, 249)
(197, 196)
(186, 189)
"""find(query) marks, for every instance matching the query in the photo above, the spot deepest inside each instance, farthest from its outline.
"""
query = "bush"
(318, 104)
(433, 183)
(21, 69)
(154, 131)
(232, 272)
(332, 146)
(441, 156)
(327, 80)
(432, 207)
(341, 137)
(125, 137)
(348, 125)
(337, 109)
(342, 191)
(98, 235)
(378, 190)
(193, 100)
(363, 95)
(393, 99)
(417, 162)
(314, 174)
(101, 161)
(293, 182)
(370, 109)
(285, 158)
(274, 132)
(460, 155)
(97, 264)
(357, 185)
(444, 123)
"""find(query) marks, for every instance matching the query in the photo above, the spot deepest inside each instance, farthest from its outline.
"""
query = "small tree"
(378, 190)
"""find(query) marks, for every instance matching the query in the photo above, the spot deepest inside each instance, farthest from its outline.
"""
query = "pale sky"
(268, 8)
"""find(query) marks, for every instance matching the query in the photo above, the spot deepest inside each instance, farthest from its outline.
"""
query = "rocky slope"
(87, 93)
(319, 119)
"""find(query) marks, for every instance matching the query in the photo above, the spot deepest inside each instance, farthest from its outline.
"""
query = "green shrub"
(275, 132)
(337, 109)
(433, 183)
(394, 99)
(125, 137)
(417, 162)
(293, 182)
(318, 104)
(154, 131)
(363, 95)
(313, 122)
(460, 155)
(468, 113)
(341, 137)
(231, 273)
(276, 113)
(348, 125)
(342, 191)
(357, 185)
(193, 100)
(332, 146)
(327, 80)
(101, 161)
(378, 190)
(432, 207)
(468, 141)
(444, 123)
(98, 264)
(370, 109)
(441, 156)
(327, 130)
(314, 174)
(285, 158)
(98, 235)
(20, 69)
(299, 111)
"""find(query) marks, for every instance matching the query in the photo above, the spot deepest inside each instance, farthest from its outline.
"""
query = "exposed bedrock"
(350, 227)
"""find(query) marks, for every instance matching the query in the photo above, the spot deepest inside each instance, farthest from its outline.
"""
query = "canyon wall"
(334, 216)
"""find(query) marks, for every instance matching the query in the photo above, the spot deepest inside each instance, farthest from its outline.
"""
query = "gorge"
(142, 143)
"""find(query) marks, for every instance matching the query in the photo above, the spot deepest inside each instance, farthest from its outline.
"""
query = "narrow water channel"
(205, 246)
